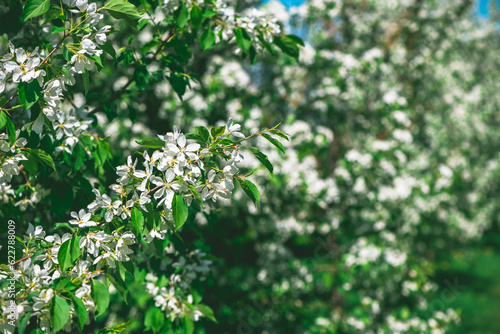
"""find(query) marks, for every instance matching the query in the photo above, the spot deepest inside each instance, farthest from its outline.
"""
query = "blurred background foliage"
(382, 216)
(388, 191)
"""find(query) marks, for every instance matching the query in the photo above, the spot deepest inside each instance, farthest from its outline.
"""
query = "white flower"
(167, 188)
(233, 129)
(24, 68)
(100, 36)
(82, 63)
(126, 171)
(82, 219)
(34, 233)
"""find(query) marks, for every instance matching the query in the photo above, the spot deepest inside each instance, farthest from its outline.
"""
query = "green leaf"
(119, 285)
(182, 17)
(188, 325)
(85, 76)
(75, 248)
(295, 39)
(179, 211)
(138, 222)
(35, 8)
(21, 327)
(204, 134)
(207, 39)
(196, 194)
(250, 189)
(123, 10)
(64, 256)
(142, 76)
(216, 132)
(151, 142)
(11, 131)
(109, 49)
(29, 93)
(59, 313)
(287, 45)
(196, 17)
(243, 39)
(121, 270)
(80, 156)
(3, 119)
(31, 165)
(81, 313)
(154, 319)
(44, 158)
(280, 133)
(262, 158)
(207, 312)
(178, 83)
(100, 294)
(274, 141)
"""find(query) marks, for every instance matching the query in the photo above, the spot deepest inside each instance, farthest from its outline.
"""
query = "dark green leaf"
(178, 83)
(154, 319)
(64, 256)
(182, 16)
(11, 131)
(250, 189)
(3, 119)
(280, 133)
(109, 49)
(75, 248)
(85, 76)
(196, 17)
(207, 312)
(35, 8)
(123, 10)
(188, 325)
(262, 158)
(274, 141)
(44, 158)
(59, 313)
(204, 134)
(81, 313)
(21, 327)
(151, 142)
(100, 294)
(31, 165)
(216, 132)
(138, 222)
(196, 194)
(243, 39)
(179, 211)
(287, 45)
(141, 76)
(207, 39)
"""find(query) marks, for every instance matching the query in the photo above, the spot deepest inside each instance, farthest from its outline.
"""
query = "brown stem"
(21, 259)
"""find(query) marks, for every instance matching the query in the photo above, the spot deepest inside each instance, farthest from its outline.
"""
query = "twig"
(22, 259)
